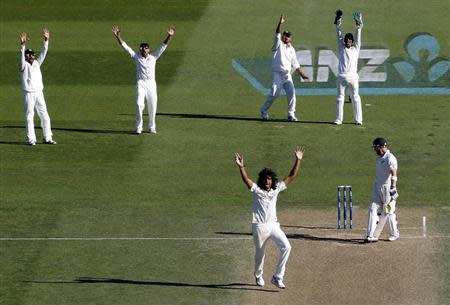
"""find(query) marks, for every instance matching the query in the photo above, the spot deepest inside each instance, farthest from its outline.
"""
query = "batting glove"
(357, 16)
(394, 194)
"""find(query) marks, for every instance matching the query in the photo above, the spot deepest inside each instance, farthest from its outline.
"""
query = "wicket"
(344, 189)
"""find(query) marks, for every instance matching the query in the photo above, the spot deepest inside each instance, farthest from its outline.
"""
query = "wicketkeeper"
(348, 52)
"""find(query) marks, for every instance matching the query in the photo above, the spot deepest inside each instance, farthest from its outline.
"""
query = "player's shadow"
(14, 143)
(309, 227)
(94, 280)
(234, 118)
(82, 130)
(356, 241)
(308, 237)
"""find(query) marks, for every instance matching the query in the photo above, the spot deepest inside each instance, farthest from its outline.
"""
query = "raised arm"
(123, 44)
(43, 54)
(239, 159)
(358, 21)
(338, 23)
(117, 34)
(282, 20)
(23, 41)
(170, 33)
(298, 158)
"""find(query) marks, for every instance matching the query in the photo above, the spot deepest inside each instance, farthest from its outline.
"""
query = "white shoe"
(371, 239)
(278, 282)
(138, 132)
(51, 142)
(260, 281)
(264, 116)
(152, 130)
(337, 122)
(358, 123)
(292, 118)
(31, 142)
(393, 237)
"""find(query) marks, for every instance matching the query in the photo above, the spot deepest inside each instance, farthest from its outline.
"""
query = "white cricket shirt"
(265, 203)
(30, 74)
(284, 57)
(348, 57)
(145, 66)
(384, 165)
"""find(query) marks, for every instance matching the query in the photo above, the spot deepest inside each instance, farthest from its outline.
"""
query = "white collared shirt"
(284, 58)
(265, 203)
(348, 57)
(384, 165)
(145, 66)
(30, 74)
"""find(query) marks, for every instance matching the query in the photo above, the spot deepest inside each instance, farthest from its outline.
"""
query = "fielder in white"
(348, 52)
(384, 194)
(265, 224)
(146, 78)
(284, 59)
(32, 85)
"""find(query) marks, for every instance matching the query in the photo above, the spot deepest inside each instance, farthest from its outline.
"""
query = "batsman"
(384, 194)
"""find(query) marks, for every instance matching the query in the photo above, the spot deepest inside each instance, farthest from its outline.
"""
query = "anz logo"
(328, 62)
(421, 72)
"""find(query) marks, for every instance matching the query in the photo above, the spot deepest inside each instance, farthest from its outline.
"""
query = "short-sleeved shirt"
(284, 57)
(265, 203)
(384, 165)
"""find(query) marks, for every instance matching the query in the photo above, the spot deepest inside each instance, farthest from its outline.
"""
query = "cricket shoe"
(264, 116)
(358, 123)
(292, 118)
(138, 132)
(152, 131)
(31, 142)
(278, 282)
(51, 142)
(394, 237)
(371, 239)
(337, 122)
(259, 281)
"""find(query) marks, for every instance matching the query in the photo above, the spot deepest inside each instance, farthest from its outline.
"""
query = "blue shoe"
(278, 282)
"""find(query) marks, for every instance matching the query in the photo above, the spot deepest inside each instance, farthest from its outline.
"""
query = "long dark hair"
(262, 176)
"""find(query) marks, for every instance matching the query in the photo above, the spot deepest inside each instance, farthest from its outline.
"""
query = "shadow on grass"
(93, 280)
(309, 237)
(14, 143)
(83, 130)
(309, 227)
(234, 118)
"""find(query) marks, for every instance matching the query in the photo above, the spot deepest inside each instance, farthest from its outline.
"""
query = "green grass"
(101, 181)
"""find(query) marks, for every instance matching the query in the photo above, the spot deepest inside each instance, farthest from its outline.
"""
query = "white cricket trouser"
(261, 233)
(281, 81)
(36, 100)
(353, 85)
(381, 197)
(146, 90)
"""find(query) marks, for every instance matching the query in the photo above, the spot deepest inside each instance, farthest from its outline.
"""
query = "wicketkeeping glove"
(338, 18)
(357, 16)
